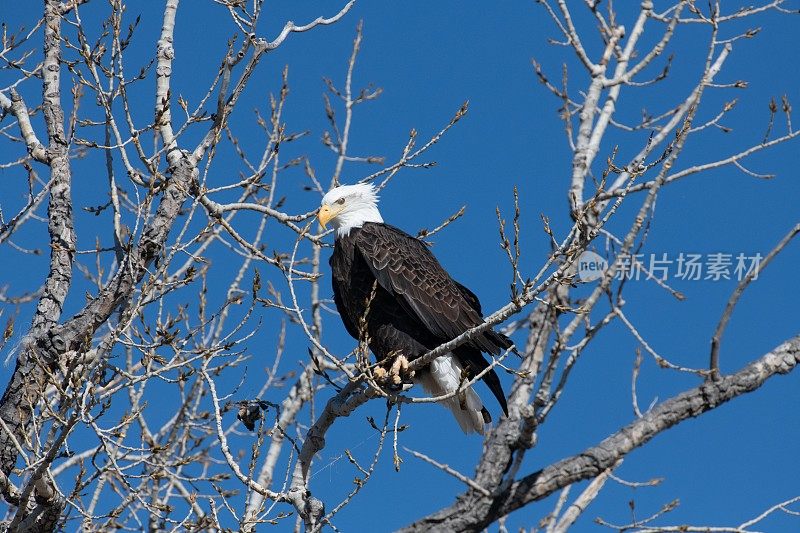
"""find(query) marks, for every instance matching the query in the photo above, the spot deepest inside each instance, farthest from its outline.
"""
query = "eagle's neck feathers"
(355, 217)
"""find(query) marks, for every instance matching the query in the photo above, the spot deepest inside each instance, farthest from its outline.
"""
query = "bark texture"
(474, 512)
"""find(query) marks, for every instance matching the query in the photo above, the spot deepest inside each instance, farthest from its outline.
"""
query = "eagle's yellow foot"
(394, 376)
(398, 372)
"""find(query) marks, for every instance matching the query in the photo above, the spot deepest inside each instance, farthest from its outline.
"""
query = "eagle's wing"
(496, 337)
(339, 301)
(471, 298)
(405, 267)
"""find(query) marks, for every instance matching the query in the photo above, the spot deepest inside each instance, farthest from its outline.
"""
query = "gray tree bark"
(474, 512)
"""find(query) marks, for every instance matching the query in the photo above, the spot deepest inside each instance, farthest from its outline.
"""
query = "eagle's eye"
(340, 201)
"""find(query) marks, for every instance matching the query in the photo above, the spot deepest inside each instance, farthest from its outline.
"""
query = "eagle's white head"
(349, 206)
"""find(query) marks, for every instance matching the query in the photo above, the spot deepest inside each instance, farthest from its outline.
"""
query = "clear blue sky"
(429, 57)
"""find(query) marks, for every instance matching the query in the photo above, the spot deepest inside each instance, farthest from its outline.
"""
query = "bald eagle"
(415, 307)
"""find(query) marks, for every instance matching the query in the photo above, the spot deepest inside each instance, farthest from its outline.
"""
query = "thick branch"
(477, 512)
(165, 53)
(59, 211)
(23, 391)
(28, 380)
(80, 327)
(341, 405)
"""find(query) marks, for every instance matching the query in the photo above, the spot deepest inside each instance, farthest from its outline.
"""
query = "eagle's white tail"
(443, 377)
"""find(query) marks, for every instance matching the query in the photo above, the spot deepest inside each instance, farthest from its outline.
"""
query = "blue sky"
(429, 57)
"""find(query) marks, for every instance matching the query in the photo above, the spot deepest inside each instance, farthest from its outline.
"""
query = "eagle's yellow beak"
(326, 213)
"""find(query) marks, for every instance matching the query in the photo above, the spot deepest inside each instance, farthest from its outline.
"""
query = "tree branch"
(477, 512)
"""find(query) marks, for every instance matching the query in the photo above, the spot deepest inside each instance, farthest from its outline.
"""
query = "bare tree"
(82, 441)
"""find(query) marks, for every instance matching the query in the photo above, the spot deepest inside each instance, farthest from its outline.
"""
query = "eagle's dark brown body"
(417, 305)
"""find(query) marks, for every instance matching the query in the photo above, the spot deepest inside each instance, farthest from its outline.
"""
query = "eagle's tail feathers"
(443, 377)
